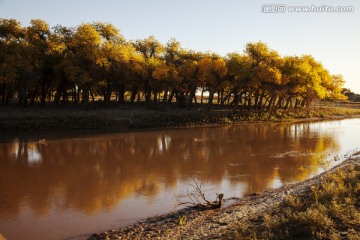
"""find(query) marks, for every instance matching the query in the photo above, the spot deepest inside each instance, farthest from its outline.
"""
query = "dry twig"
(197, 197)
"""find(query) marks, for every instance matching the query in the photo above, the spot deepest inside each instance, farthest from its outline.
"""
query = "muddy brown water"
(66, 188)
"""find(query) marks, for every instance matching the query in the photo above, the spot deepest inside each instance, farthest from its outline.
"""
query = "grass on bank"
(329, 210)
(71, 117)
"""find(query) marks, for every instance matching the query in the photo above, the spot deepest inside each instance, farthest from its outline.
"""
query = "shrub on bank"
(330, 210)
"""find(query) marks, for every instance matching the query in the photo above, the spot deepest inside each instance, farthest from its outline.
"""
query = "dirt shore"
(218, 223)
(129, 118)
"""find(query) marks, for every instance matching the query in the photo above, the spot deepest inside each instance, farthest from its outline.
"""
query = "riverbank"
(130, 117)
(323, 207)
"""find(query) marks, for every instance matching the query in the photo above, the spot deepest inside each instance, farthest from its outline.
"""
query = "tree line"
(94, 61)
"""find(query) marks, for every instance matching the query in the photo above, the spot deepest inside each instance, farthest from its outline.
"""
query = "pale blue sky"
(220, 26)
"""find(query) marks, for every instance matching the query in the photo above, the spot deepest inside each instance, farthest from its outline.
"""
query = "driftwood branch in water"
(196, 197)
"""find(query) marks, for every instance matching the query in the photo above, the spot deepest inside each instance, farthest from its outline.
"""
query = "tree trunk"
(58, 94)
(180, 99)
(236, 101)
(270, 103)
(249, 103)
(164, 100)
(202, 96)
(33, 96)
(44, 90)
(147, 93)
(279, 103)
(107, 95)
(260, 105)
(172, 94)
(256, 100)
(191, 97)
(134, 91)
(85, 96)
(222, 97)
(8, 96)
(139, 97)
(288, 101)
(211, 97)
(155, 99)
(121, 99)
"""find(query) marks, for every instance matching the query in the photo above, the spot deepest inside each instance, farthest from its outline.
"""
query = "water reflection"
(95, 174)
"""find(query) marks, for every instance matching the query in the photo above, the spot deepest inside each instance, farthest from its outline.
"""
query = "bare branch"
(197, 197)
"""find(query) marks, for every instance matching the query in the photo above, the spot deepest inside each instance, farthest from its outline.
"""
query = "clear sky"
(221, 26)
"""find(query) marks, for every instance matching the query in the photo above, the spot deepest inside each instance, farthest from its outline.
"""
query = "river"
(68, 187)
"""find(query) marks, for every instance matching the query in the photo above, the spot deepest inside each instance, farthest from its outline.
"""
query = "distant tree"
(316, 80)
(87, 59)
(351, 95)
(152, 51)
(164, 76)
(174, 60)
(212, 72)
(189, 72)
(39, 38)
(114, 55)
(64, 68)
(239, 67)
(306, 80)
(265, 75)
(335, 86)
(12, 34)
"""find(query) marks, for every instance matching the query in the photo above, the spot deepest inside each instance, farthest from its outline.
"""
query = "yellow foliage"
(212, 72)
(96, 53)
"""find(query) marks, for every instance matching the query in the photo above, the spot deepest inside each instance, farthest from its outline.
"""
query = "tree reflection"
(93, 174)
